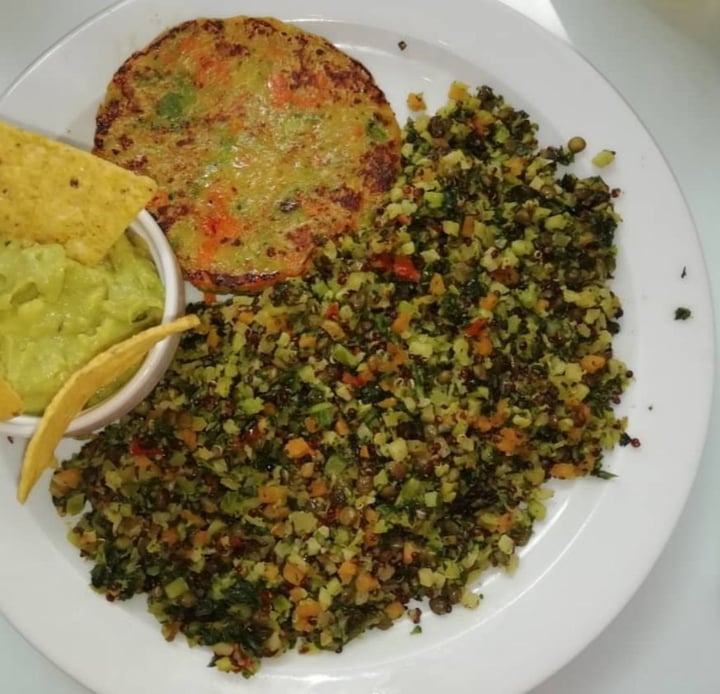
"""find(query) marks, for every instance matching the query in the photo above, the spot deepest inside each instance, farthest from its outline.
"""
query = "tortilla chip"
(11, 404)
(79, 388)
(51, 192)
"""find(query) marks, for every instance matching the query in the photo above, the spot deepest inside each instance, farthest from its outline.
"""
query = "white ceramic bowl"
(157, 359)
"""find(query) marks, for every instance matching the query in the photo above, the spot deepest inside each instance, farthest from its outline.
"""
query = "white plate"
(601, 538)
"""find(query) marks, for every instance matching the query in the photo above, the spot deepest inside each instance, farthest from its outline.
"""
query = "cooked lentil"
(380, 430)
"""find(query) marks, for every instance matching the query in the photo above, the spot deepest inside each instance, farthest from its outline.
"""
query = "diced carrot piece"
(501, 413)
(297, 594)
(212, 339)
(467, 229)
(271, 572)
(457, 91)
(293, 573)
(307, 341)
(483, 346)
(437, 285)
(347, 570)
(365, 582)
(401, 323)
(65, 480)
(311, 424)
(482, 423)
(170, 536)
(515, 165)
(275, 512)
(395, 610)
(416, 102)
(308, 608)
(509, 440)
(200, 538)
(341, 427)
(318, 487)
(541, 305)
(191, 517)
(489, 301)
(271, 494)
(409, 552)
(564, 471)
(592, 363)
(371, 515)
(297, 448)
(304, 614)
(188, 437)
(278, 530)
(504, 522)
(307, 470)
(370, 539)
(333, 329)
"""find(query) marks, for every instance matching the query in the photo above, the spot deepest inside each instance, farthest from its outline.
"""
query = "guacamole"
(56, 314)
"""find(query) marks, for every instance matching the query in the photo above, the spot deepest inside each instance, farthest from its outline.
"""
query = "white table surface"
(664, 58)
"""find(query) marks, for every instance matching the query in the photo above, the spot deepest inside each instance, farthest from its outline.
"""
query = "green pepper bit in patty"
(380, 430)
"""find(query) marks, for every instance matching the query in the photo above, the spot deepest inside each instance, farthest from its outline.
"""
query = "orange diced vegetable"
(395, 610)
(304, 614)
(65, 480)
(297, 448)
(271, 494)
(592, 363)
(416, 102)
(200, 538)
(437, 285)
(318, 487)
(409, 553)
(347, 570)
(504, 522)
(271, 572)
(365, 582)
(307, 341)
(341, 427)
(509, 440)
(188, 437)
(401, 323)
(564, 471)
(293, 573)
(170, 536)
(489, 301)
(483, 346)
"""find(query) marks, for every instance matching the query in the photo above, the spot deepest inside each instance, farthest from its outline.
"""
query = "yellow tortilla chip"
(11, 404)
(79, 388)
(51, 192)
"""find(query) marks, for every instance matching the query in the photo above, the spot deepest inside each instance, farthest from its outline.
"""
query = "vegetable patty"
(265, 140)
(381, 429)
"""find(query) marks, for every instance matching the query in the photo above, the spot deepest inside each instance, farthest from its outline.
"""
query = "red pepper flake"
(402, 266)
(136, 448)
(404, 269)
(476, 327)
(332, 310)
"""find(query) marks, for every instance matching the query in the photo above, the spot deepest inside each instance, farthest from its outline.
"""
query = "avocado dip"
(56, 313)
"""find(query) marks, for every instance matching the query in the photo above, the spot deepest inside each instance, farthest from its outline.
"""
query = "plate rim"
(709, 336)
